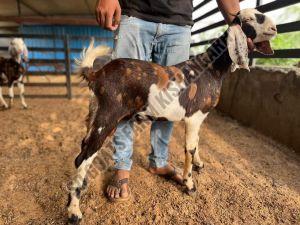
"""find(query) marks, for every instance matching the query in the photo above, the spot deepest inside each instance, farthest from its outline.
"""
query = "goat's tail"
(85, 65)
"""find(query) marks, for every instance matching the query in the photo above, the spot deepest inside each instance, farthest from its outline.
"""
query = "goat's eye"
(249, 19)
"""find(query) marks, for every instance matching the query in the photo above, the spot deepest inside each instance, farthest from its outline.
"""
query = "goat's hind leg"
(2, 99)
(22, 90)
(192, 158)
(101, 127)
(11, 94)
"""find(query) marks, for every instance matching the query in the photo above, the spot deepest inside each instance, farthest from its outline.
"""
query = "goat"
(11, 72)
(187, 91)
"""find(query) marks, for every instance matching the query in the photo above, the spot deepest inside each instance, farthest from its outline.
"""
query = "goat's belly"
(165, 103)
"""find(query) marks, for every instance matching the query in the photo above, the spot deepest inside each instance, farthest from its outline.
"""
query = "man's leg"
(133, 40)
(172, 47)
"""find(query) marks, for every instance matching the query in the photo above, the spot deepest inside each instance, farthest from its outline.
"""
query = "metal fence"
(282, 28)
(63, 66)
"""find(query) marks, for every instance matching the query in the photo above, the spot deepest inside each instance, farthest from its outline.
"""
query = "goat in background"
(13, 72)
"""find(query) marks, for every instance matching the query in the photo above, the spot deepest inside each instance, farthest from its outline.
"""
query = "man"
(158, 31)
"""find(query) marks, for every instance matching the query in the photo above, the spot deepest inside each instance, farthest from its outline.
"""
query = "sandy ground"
(247, 179)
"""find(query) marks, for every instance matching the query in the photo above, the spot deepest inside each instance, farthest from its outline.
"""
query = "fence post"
(68, 66)
(258, 3)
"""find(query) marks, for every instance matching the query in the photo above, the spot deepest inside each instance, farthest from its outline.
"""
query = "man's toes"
(110, 191)
(116, 193)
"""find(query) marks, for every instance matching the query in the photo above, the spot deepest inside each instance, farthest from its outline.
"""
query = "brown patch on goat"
(139, 102)
(119, 97)
(192, 91)
(177, 74)
(128, 72)
(130, 103)
(102, 89)
(163, 77)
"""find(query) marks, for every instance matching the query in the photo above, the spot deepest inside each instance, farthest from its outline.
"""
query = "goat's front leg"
(2, 99)
(22, 90)
(11, 94)
(192, 126)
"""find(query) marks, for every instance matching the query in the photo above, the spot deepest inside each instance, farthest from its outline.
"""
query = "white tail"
(88, 56)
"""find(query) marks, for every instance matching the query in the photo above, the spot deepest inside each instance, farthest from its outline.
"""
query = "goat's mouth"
(264, 47)
(270, 34)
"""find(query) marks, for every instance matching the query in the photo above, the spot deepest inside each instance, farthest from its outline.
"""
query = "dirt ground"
(247, 179)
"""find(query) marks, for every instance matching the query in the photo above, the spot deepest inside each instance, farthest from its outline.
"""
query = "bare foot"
(169, 172)
(119, 189)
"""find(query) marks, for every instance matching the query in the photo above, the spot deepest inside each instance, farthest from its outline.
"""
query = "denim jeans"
(165, 44)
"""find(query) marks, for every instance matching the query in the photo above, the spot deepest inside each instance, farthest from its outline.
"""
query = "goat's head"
(254, 25)
(17, 46)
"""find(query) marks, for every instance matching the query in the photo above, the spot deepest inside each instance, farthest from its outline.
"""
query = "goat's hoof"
(198, 168)
(74, 220)
(25, 107)
(191, 192)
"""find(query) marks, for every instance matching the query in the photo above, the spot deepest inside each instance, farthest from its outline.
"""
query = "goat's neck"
(18, 58)
(219, 55)
(215, 61)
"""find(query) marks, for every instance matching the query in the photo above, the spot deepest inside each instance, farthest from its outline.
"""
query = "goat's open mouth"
(270, 34)
(264, 47)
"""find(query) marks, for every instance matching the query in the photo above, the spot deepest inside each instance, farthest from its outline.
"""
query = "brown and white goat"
(187, 91)
(11, 72)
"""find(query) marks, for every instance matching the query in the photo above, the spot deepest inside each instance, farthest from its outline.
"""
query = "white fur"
(2, 99)
(17, 48)
(192, 127)
(237, 48)
(171, 110)
(100, 130)
(88, 55)
(77, 183)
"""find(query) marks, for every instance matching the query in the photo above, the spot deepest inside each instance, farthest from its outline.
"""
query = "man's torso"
(178, 12)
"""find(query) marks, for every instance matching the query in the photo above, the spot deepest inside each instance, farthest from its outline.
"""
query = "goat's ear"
(237, 48)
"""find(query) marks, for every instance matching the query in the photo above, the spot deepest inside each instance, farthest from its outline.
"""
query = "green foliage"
(283, 41)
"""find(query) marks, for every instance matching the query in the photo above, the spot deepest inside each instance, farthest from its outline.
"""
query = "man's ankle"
(122, 173)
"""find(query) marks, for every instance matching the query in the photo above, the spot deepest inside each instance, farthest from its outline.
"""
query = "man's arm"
(108, 14)
(229, 8)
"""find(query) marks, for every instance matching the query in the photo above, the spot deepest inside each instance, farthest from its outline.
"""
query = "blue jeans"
(165, 44)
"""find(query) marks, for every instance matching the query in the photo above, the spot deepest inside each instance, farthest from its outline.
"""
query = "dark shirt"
(178, 12)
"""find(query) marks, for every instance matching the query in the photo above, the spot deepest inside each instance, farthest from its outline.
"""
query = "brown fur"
(192, 91)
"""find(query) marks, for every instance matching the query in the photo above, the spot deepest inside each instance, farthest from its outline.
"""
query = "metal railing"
(282, 28)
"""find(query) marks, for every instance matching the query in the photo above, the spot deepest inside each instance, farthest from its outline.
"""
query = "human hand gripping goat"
(184, 92)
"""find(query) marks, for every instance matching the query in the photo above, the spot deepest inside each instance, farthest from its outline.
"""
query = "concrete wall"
(267, 99)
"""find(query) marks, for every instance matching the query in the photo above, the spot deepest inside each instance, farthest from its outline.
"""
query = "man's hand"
(108, 14)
